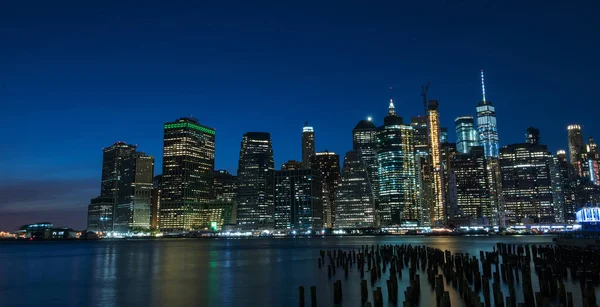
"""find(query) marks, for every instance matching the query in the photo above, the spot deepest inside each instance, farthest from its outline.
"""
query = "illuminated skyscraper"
(486, 125)
(527, 183)
(255, 181)
(298, 199)
(472, 188)
(424, 180)
(134, 206)
(439, 205)
(328, 164)
(365, 145)
(125, 192)
(592, 162)
(419, 124)
(567, 176)
(188, 174)
(354, 200)
(308, 144)
(576, 149)
(466, 135)
(398, 193)
(533, 136)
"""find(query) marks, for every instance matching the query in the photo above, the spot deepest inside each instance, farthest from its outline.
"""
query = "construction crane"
(424, 90)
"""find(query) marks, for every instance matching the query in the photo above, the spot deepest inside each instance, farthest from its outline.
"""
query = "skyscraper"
(125, 191)
(364, 137)
(255, 181)
(527, 183)
(225, 186)
(472, 188)
(592, 162)
(439, 206)
(308, 144)
(486, 125)
(354, 200)
(420, 136)
(298, 199)
(328, 164)
(576, 148)
(466, 135)
(533, 136)
(398, 199)
(292, 165)
(133, 210)
(188, 174)
(567, 176)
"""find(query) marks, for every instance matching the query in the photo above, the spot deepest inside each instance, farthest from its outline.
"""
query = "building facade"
(355, 204)
(527, 184)
(133, 210)
(439, 204)
(472, 188)
(466, 134)
(225, 186)
(255, 181)
(486, 125)
(364, 136)
(398, 201)
(298, 199)
(187, 174)
(328, 164)
(308, 145)
(576, 149)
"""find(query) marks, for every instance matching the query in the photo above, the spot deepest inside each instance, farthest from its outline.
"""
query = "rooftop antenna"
(482, 85)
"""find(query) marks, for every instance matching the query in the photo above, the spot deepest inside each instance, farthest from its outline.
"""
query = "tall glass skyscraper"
(486, 125)
(398, 200)
(328, 164)
(188, 174)
(255, 181)
(354, 200)
(308, 145)
(364, 137)
(466, 135)
(126, 190)
(298, 199)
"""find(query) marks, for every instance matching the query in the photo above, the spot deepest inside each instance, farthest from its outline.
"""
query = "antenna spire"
(392, 109)
(482, 85)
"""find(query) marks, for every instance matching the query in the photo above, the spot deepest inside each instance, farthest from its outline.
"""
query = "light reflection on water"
(196, 272)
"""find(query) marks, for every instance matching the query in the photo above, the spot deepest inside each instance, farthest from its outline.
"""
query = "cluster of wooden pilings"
(472, 278)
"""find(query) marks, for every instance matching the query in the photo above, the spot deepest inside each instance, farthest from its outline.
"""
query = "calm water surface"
(198, 272)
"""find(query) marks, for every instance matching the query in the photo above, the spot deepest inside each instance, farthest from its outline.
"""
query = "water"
(202, 272)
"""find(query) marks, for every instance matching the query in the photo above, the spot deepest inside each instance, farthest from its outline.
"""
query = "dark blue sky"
(76, 78)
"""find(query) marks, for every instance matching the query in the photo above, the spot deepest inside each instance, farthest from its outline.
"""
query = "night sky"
(76, 78)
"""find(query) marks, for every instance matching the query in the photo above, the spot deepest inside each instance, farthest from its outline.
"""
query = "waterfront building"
(439, 204)
(567, 182)
(466, 134)
(298, 199)
(133, 210)
(328, 164)
(397, 171)
(486, 125)
(187, 174)
(155, 209)
(308, 145)
(364, 137)
(255, 181)
(100, 214)
(527, 184)
(355, 205)
(471, 188)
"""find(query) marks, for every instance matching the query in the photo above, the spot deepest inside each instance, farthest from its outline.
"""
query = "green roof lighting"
(190, 125)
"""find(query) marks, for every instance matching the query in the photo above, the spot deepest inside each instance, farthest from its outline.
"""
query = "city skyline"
(77, 89)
